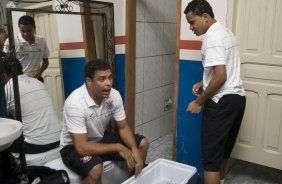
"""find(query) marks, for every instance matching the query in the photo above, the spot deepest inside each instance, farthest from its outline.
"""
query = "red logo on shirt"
(85, 159)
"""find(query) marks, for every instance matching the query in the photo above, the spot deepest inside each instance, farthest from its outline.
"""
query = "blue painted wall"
(120, 74)
(188, 140)
(73, 73)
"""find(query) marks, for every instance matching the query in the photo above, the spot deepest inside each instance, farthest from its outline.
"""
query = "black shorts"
(83, 165)
(220, 126)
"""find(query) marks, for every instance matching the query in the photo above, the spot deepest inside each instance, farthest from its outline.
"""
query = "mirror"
(72, 38)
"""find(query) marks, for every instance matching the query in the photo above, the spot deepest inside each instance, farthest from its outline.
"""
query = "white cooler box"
(163, 171)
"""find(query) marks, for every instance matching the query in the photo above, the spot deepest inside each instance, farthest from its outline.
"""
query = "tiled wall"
(155, 62)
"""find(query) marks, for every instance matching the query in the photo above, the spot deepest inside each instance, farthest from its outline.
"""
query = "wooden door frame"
(130, 62)
(88, 36)
(176, 78)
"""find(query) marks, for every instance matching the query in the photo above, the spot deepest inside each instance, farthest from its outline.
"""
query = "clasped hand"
(132, 158)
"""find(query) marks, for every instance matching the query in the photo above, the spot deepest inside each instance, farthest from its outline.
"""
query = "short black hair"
(26, 20)
(11, 66)
(95, 65)
(199, 7)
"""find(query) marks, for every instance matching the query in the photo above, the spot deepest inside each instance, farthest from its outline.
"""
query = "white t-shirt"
(41, 124)
(30, 55)
(219, 47)
(82, 115)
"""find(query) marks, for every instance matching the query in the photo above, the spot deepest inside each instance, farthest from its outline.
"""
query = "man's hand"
(128, 157)
(194, 107)
(139, 163)
(197, 88)
(36, 74)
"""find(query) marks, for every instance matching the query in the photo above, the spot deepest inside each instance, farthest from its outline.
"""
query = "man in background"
(41, 124)
(222, 90)
(31, 49)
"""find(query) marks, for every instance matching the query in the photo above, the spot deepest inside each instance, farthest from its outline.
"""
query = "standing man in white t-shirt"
(84, 142)
(31, 49)
(221, 90)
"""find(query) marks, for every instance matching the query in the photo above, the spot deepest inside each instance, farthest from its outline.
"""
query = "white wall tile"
(154, 11)
(153, 39)
(139, 109)
(139, 79)
(168, 73)
(139, 129)
(170, 11)
(140, 39)
(169, 46)
(155, 50)
(140, 10)
(153, 104)
(151, 129)
(166, 124)
(152, 72)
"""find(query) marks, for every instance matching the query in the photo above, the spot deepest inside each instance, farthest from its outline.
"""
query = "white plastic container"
(115, 172)
(163, 171)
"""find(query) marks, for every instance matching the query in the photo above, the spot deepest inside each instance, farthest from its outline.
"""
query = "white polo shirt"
(82, 115)
(30, 55)
(41, 124)
(219, 47)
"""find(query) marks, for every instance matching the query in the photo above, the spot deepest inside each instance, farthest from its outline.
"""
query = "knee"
(144, 144)
(95, 173)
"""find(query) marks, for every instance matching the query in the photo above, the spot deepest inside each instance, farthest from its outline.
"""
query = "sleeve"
(215, 51)
(74, 119)
(6, 46)
(119, 113)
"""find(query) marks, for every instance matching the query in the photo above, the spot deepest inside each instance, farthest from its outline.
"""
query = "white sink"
(10, 130)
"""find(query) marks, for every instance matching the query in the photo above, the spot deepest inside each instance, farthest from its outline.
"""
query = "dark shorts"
(220, 126)
(83, 165)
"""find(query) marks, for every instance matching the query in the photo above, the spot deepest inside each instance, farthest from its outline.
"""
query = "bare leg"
(211, 177)
(223, 169)
(215, 177)
(143, 148)
(94, 176)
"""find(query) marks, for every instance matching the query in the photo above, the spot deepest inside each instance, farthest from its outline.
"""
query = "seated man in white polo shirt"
(30, 48)
(87, 112)
(41, 124)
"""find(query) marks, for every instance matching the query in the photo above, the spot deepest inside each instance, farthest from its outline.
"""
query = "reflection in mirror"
(61, 75)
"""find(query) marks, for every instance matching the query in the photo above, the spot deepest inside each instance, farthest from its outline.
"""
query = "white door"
(46, 26)
(257, 25)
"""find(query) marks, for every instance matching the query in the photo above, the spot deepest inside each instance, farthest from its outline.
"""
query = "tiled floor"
(241, 172)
